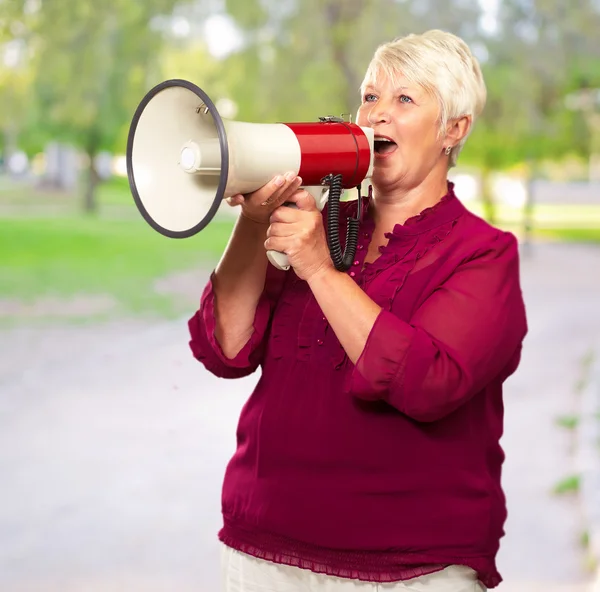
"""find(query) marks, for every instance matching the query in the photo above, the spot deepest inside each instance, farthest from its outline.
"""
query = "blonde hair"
(444, 66)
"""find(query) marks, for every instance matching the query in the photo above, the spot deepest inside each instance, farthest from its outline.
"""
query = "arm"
(229, 328)
(239, 279)
(203, 330)
(238, 283)
(349, 311)
(461, 338)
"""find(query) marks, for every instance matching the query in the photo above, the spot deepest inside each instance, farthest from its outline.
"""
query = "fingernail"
(289, 176)
(299, 180)
(279, 181)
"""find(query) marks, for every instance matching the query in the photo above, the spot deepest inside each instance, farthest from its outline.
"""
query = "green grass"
(115, 192)
(116, 253)
(81, 255)
(578, 235)
(547, 215)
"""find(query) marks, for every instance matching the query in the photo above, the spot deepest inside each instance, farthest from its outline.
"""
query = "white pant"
(244, 573)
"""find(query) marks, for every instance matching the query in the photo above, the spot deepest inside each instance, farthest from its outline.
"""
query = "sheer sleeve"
(207, 349)
(464, 336)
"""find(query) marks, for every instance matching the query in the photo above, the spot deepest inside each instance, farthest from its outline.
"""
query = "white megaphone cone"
(183, 159)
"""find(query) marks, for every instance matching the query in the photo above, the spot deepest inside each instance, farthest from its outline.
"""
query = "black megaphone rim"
(224, 158)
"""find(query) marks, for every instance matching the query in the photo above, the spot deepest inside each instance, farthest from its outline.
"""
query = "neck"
(397, 204)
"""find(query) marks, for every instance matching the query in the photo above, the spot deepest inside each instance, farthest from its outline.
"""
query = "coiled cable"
(341, 260)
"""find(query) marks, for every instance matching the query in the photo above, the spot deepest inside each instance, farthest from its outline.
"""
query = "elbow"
(421, 404)
(232, 344)
(221, 368)
(433, 402)
(206, 350)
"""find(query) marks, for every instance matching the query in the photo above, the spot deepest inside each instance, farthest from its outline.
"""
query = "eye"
(369, 98)
(405, 99)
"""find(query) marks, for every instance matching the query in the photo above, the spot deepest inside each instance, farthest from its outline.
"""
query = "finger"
(277, 243)
(285, 214)
(274, 187)
(290, 184)
(279, 229)
(303, 200)
(235, 200)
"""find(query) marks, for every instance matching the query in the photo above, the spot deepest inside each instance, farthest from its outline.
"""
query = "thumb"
(303, 200)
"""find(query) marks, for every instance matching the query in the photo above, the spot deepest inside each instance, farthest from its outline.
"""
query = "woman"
(368, 455)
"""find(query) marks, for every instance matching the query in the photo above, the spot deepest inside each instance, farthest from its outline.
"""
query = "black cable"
(341, 261)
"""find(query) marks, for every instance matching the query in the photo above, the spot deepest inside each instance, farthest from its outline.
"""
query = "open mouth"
(383, 145)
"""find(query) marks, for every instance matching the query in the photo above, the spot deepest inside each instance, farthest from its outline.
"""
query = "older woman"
(368, 454)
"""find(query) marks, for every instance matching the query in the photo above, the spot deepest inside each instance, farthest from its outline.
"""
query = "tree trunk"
(10, 144)
(487, 198)
(343, 17)
(529, 204)
(90, 205)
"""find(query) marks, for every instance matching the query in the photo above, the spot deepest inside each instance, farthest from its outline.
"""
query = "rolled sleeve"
(382, 358)
(463, 337)
(207, 350)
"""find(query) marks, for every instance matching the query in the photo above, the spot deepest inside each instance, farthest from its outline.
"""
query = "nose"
(379, 114)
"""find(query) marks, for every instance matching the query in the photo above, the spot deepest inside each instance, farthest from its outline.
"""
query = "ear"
(457, 129)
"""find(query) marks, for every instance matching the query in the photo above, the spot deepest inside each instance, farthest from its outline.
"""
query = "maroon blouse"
(389, 469)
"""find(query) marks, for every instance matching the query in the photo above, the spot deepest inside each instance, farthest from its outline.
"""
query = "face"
(405, 119)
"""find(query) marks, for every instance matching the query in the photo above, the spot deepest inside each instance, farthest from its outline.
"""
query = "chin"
(384, 177)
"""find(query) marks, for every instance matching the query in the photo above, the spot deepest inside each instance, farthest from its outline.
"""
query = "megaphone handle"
(280, 260)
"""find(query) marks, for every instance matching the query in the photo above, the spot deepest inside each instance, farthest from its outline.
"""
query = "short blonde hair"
(444, 66)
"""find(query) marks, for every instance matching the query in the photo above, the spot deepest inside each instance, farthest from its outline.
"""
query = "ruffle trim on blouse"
(427, 212)
(373, 566)
(402, 253)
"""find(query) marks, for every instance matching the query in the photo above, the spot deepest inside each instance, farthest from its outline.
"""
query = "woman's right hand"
(258, 205)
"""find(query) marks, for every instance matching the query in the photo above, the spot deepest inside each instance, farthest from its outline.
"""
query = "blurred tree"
(90, 63)
(16, 77)
(93, 62)
(536, 53)
(304, 57)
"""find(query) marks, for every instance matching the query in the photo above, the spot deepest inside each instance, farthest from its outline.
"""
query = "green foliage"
(569, 422)
(93, 60)
(86, 67)
(584, 539)
(87, 64)
(250, 14)
(568, 485)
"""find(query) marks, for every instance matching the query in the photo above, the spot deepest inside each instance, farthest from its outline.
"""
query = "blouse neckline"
(448, 208)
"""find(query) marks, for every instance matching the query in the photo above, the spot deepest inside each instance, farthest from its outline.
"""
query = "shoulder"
(475, 238)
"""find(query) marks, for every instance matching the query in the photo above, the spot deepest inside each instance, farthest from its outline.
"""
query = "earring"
(448, 150)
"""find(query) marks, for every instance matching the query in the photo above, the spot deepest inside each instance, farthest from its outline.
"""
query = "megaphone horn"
(183, 159)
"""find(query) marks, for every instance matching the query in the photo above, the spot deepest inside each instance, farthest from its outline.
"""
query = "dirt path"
(113, 442)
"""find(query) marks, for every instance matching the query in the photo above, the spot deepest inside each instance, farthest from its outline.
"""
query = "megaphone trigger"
(277, 259)
(320, 195)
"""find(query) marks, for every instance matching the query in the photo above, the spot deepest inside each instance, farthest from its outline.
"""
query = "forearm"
(349, 311)
(238, 283)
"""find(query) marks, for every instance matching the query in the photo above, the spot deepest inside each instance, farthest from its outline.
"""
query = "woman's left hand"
(300, 234)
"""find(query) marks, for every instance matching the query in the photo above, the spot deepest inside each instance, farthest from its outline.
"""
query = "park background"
(112, 439)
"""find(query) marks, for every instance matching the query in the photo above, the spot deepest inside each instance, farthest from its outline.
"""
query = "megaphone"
(184, 158)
